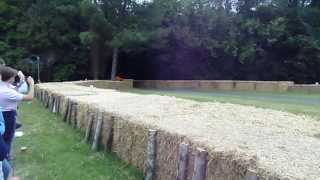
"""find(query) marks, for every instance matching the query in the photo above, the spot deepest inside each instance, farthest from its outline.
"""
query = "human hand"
(30, 81)
(21, 75)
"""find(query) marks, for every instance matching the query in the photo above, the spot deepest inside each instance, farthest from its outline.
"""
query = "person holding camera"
(10, 98)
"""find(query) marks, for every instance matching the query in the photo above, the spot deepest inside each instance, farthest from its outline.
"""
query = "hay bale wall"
(221, 85)
(128, 139)
(245, 85)
(104, 84)
(304, 88)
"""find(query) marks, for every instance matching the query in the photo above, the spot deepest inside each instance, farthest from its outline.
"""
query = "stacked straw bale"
(242, 142)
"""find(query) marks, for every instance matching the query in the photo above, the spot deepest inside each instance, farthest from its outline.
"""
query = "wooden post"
(44, 97)
(41, 96)
(51, 103)
(200, 165)
(183, 162)
(66, 113)
(251, 175)
(36, 92)
(97, 132)
(90, 118)
(58, 104)
(69, 112)
(70, 119)
(54, 106)
(109, 133)
(151, 155)
(75, 113)
(47, 100)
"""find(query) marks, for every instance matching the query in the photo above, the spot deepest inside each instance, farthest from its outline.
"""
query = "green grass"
(298, 103)
(55, 151)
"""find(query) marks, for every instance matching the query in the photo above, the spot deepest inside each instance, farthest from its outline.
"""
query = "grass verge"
(55, 151)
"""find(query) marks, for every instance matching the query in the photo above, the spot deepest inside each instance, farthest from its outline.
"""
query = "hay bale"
(139, 138)
(167, 155)
(107, 132)
(267, 86)
(225, 85)
(82, 112)
(130, 141)
(283, 86)
(245, 85)
(222, 165)
(122, 139)
(305, 88)
(208, 85)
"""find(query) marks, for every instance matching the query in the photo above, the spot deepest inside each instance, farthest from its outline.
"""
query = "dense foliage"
(164, 39)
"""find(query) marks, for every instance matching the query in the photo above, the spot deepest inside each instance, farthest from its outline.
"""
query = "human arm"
(30, 94)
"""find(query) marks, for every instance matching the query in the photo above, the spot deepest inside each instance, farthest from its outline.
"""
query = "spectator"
(9, 99)
(4, 150)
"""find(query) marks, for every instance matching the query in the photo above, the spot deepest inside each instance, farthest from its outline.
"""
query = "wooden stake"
(75, 113)
(251, 175)
(36, 92)
(97, 132)
(69, 112)
(58, 104)
(51, 102)
(41, 96)
(183, 162)
(47, 100)
(44, 97)
(66, 113)
(200, 165)
(151, 155)
(54, 106)
(109, 133)
(90, 118)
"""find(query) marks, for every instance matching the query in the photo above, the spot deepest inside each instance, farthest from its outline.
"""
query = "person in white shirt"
(9, 99)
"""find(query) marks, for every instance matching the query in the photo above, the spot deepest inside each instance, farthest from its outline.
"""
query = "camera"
(17, 79)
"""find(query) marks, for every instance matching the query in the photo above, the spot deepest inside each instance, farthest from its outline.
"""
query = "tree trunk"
(114, 63)
(95, 58)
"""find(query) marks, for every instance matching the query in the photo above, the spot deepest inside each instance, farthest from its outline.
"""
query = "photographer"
(9, 99)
